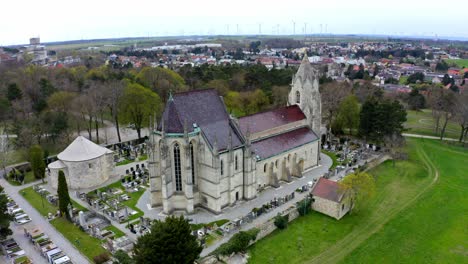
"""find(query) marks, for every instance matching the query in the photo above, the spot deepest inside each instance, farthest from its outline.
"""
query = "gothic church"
(203, 157)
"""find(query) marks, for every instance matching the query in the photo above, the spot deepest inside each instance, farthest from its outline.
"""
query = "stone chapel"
(200, 156)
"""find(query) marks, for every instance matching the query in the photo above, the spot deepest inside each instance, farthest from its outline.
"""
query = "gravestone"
(82, 219)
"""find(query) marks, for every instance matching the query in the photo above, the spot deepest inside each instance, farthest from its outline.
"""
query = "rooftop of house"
(327, 189)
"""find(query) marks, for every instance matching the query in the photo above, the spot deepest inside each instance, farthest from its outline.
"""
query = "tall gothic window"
(222, 167)
(298, 97)
(235, 163)
(192, 163)
(177, 170)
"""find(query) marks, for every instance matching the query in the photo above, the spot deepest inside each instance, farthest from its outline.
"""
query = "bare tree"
(448, 108)
(5, 150)
(114, 91)
(461, 115)
(332, 96)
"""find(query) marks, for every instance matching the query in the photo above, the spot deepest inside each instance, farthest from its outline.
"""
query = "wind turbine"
(294, 27)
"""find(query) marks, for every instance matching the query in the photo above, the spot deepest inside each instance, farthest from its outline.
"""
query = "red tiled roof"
(327, 189)
(275, 145)
(271, 119)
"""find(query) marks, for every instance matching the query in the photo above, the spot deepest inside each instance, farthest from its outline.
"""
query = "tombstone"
(126, 212)
(134, 174)
(82, 219)
(70, 210)
(131, 169)
(98, 231)
(142, 165)
(110, 245)
(127, 172)
(137, 166)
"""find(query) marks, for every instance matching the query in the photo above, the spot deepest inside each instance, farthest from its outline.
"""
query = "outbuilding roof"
(82, 149)
(327, 189)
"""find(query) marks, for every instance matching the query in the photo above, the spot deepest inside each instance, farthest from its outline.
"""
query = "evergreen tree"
(169, 241)
(5, 218)
(36, 157)
(63, 196)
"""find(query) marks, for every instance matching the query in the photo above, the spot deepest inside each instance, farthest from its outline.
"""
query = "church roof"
(82, 149)
(205, 109)
(271, 119)
(275, 145)
(327, 189)
(305, 71)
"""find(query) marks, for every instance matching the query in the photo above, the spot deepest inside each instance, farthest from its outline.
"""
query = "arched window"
(222, 167)
(276, 164)
(235, 163)
(177, 170)
(298, 97)
(264, 168)
(192, 163)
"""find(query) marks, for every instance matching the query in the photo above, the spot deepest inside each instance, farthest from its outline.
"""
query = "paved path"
(428, 137)
(39, 221)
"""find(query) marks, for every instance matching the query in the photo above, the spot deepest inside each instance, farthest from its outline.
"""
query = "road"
(39, 221)
(428, 137)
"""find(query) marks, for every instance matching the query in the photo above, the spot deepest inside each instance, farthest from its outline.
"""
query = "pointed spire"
(185, 130)
(163, 129)
(305, 58)
(229, 140)
(170, 96)
(247, 136)
(215, 146)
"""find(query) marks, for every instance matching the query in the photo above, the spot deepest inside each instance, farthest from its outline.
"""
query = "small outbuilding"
(85, 164)
(329, 199)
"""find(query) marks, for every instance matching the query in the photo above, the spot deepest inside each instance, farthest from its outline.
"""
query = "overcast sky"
(55, 20)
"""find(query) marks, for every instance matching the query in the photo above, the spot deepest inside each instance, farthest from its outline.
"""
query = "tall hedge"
(36, 157)
(62, 191)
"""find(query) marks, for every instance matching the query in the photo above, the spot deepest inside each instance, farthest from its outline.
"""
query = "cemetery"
(125, 153)
(46, 247)
(13, 253)
(118, 200)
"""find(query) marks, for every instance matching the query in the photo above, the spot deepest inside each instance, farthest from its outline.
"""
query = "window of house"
(90, 166)
(298, 97)
(177, 168)
(222, 167)
(192, 163)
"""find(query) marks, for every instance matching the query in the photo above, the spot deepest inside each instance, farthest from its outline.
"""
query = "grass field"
(461, 63)
(86, 244)
(422, 123)
(417, 216)
(333, 157)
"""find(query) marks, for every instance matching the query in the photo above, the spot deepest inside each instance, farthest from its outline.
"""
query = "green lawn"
(86, 244)
(117, 232)
(134, 197)
(333, 157)
(408, 221)
(461, 63)
(422, 123)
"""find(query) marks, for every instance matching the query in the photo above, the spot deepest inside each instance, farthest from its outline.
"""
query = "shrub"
(281, 221)
(101, 258)
(238, 243)
(304, 206)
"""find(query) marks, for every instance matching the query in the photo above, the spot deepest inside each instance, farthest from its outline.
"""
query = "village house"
(329, 199)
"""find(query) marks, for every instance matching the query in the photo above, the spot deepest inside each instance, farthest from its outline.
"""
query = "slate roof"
(270, 119)
(205, 109)
(275, 145)
(327, 189)
(82, 149)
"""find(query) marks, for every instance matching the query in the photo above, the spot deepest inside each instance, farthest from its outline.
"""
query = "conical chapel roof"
(82, 149)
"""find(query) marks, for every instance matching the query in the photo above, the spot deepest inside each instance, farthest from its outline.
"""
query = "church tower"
(305, 93)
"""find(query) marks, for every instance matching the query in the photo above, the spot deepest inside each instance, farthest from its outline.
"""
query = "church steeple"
(305, 93)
